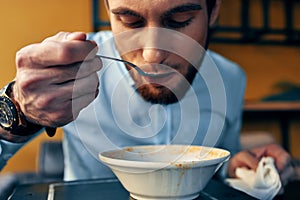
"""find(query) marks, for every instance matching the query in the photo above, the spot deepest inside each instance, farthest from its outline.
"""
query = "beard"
(160, 94)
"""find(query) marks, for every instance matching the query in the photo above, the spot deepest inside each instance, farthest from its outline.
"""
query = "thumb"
(76, 36)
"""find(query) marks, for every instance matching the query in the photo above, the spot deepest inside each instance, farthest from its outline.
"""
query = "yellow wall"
(264, 65)
(27, 21)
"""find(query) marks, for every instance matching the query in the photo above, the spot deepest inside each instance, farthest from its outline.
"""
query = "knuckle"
(65, 52)
(22, 59)
(60, 51)
(23, 85)
(58, 36)
(61, 34)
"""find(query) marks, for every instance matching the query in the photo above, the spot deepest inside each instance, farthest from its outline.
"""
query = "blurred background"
(262, 36)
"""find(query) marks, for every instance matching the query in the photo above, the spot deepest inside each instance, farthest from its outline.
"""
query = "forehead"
(151, 5)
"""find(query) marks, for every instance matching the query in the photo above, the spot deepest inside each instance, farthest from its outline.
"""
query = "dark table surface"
(108, 189)
(111, 189)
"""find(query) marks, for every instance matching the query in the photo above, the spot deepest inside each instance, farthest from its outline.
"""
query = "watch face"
(7, 115)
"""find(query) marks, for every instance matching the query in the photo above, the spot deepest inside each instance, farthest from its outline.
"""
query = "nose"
(153, 55)
(153, 48)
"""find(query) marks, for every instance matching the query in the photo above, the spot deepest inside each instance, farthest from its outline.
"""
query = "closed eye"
(129, 18)
(177, 22)
(181, 16)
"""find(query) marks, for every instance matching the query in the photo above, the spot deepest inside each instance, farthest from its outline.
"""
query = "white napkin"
(264, 183)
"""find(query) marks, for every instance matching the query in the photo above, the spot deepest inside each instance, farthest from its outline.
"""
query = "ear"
(106, 4)
(106, 7)
(215, 12)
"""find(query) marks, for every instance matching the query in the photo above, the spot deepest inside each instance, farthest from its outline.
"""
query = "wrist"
(12, 120)
(7, 136)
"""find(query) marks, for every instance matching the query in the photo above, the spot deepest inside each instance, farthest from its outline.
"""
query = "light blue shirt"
(209, 114)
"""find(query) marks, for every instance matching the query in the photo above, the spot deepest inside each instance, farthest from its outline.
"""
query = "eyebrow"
(124, 11)
(183, 8)
(178, 9)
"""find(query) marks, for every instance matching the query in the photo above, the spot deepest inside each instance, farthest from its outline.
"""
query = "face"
(152, 26)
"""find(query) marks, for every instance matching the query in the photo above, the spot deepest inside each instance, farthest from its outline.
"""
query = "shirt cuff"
(8, 149)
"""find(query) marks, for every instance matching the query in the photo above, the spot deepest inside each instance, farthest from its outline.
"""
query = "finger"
(76, 36)
(85, 86)
(67, 36)
(86, 68)
(57, 94)
(57, 75)
(45, 96)
(53, 53)
(75, 71)
(80, 103)
(250, 160)
(281, 161)
(242, 159)
(62, 53)
(259, 151)
(281, 157)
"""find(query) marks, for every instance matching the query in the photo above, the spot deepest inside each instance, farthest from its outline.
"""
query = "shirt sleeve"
(231, 143)
(8, 149)
(235, 84)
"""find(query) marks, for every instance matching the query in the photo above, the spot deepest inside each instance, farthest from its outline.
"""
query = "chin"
(158, 94)
(168, 93)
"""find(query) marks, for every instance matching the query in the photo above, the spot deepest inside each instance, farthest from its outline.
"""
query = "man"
(103, 104)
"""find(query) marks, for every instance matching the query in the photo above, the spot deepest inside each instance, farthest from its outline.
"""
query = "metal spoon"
(138, 69)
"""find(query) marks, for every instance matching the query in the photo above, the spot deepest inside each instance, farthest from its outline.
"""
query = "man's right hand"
(52, 82)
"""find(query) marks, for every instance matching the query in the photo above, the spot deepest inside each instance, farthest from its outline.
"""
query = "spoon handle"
(139, 70)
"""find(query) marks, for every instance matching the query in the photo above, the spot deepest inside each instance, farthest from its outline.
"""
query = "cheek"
(199, 34)
(115, 26)
(201, 37)
(198, 30)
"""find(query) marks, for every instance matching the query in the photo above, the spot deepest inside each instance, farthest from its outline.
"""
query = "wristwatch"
(12, 118)
(9, 114)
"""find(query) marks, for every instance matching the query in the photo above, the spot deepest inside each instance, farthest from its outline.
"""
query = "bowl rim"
(116, 162)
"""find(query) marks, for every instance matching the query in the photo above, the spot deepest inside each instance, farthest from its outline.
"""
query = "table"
(282, 111)
(109, 189)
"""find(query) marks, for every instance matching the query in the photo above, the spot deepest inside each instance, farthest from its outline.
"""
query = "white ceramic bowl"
(164, 171)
